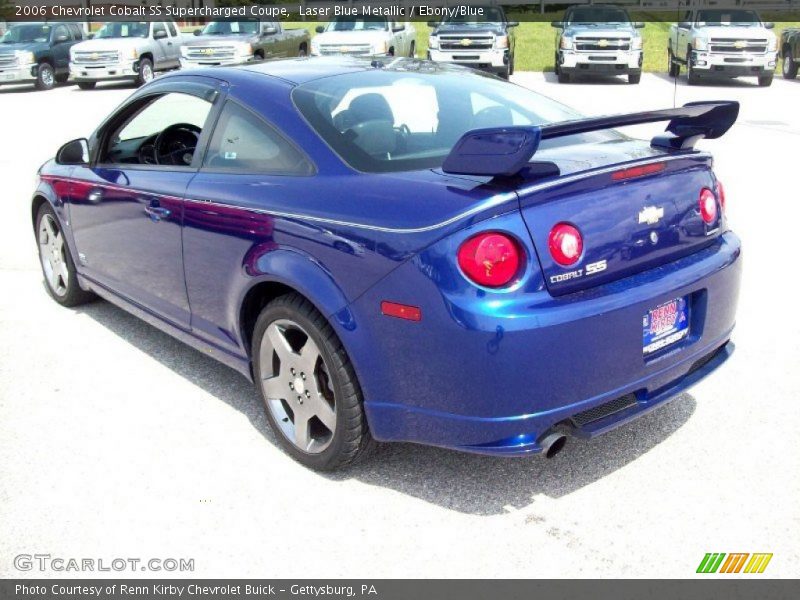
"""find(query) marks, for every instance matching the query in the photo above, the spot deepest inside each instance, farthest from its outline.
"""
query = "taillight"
(721, 195)
(566, 244)
(490, 259)
(708, 206)
(640, 171)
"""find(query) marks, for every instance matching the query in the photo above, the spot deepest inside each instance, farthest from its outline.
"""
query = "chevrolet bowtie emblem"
(466, 42)
(208, 51)
(95, 56)
(740, 44)
(602, 43)
(651, 215)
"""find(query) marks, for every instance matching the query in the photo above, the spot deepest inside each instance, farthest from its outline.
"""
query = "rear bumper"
(493, 379)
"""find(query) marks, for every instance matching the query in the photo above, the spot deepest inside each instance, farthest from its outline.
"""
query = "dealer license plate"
(664, 325)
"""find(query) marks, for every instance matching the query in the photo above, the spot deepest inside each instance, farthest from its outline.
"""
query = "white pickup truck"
(126, 50)
(717, 42)
(374, 36)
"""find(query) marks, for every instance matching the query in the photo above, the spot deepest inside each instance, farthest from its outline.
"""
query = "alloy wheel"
(297, 386)
(53, 255)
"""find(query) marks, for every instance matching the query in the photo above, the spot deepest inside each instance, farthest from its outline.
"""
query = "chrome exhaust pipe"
(553, 443)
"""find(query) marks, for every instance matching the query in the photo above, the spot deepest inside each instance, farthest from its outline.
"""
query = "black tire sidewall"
(329, 458)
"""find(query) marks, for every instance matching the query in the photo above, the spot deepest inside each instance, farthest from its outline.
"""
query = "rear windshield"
(399, 120)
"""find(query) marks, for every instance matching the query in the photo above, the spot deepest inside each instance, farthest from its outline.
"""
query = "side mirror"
(512, 24)
(75, 152)
(60, 39)
(638, 25)
(269, 30)
(432, 24)
(769, 25)
(557, 24)
(319, 29)
(159, 35)
(685, 25)
(197, 32)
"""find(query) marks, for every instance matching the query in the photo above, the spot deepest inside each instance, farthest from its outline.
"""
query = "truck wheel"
(312, 396)
(673, 66)
(690, 72)
(511, 65)
(765, 80)
(789, 65)
(634, 78)
(45, 77)
(62, 78)
(412, 53)
(563, 77)
(146, 73)
(87, 85)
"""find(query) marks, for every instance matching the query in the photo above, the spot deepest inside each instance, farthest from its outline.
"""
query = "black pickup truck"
(789, 51)
(37, 53)
(482, 41)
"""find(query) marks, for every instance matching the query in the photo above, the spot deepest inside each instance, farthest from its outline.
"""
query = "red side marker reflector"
(638, 171)
(401, 311)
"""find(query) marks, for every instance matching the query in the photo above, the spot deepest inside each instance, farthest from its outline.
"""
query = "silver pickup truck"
(237, 42)
(133, 50)
(718, 42)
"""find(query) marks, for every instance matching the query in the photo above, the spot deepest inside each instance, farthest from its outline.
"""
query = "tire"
(302, 51)
(146, 73)
(60, 275)
(506, 73)
(511, 65)
(673, 66)
(412, 53)
(45, 77)
(634, 78)
(62, 78)
(315, 382)
(789, 69)
(765, 80)
(563, 77)
(691, 76)
(87, 85)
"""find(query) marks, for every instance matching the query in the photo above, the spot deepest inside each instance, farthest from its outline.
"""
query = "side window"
(172, 31)
(164, 131)
(61, 31)
(77, 34)
(244, 142)
(158, 27)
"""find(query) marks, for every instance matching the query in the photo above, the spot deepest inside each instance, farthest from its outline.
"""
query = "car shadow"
(472, 484)
(551, 77)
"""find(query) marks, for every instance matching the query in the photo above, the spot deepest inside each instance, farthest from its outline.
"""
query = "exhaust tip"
(553, 443)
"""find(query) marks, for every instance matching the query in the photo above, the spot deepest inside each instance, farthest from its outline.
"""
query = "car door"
(271, 39)
(248, 165)
(126, 209)
(161, 44)
(684, 38)
(174, 44)
(60, 43)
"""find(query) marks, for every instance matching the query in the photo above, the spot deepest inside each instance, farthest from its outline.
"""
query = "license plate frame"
(665, 325)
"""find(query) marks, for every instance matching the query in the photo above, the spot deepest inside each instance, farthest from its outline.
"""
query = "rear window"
(385, 120)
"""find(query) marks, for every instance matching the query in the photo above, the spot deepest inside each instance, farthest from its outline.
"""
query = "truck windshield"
(373, 24)
(26, 34)
(588, 16)
(386, 120)
(718, 18)
(231, 28)
(490, 14)
(133, 29)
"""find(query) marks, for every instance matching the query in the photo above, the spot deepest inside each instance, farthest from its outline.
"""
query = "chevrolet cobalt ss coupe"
(404, 251)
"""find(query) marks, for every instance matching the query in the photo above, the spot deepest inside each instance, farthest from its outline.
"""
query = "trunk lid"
(627, 225)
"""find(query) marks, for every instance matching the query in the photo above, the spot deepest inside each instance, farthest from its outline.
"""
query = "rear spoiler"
(505, 151)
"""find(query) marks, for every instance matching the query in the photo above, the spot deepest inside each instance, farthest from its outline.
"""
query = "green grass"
(535, 41)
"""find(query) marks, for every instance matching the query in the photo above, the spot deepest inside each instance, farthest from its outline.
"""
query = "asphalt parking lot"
(118, 441)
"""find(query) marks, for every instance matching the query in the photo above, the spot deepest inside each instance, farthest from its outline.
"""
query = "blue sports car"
(403, 250)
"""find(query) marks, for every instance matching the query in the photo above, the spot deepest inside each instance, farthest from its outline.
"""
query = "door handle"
(156, 212)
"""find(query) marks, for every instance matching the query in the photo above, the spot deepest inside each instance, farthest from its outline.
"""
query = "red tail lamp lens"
(490, 259)
(566, 244)
(708, 206)
(721, 195)
(638, 171)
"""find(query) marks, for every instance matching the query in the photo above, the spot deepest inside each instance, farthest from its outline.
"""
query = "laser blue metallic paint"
(485, 370)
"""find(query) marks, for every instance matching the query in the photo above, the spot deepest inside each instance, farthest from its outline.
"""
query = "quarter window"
(243, 142)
